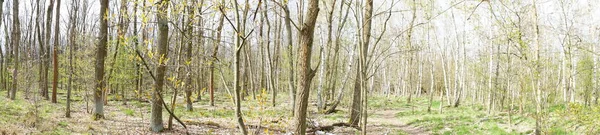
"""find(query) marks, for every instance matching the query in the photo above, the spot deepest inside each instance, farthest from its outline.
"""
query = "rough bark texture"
(100, 57)
(54, 53)
(156, 121)
(16, 38)
(305, 73)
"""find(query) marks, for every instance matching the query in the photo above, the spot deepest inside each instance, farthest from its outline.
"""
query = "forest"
(295, 67)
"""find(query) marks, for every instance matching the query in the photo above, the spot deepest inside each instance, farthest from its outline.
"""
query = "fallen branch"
(331, 127)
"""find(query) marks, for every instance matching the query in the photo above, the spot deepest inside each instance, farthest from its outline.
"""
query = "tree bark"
(156, 121)
(54, 53)
(100, 58)
(188, 80)
(46, 55)
(305, 74)
(367, 20)
(16, 39)
(3, 57)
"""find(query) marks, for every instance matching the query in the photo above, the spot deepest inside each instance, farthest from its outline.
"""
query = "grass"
(467, 119)
(461, 120)
(129, 112)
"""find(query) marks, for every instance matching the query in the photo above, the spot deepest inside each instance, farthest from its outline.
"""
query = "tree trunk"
(239, 44)
(156, 122)
(177, 77)
(363, 62)
(188, 78)
(292, 82)
(72, 35)
(54, 53)
(3, 57)
(356, 101)
(46, 55)
(100, 58)
(432, 84)
(305, 74)
(536, 74)
(16, 39)
(135, 45)
(216, 43)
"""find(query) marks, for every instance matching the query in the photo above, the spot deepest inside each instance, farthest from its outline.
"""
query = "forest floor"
(387, 115)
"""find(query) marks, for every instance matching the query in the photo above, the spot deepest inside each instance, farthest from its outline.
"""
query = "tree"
(305, 74)
(55, 52)
(2, 60)
(240, 41)
(72, 35)
(100, 58)
(536, 70)
(211, 63)
(188, 77)
(156, 122)
(361, 79)
(288, 28)
(16, 39)
(324, 59)
(45, 50)
(363, 62)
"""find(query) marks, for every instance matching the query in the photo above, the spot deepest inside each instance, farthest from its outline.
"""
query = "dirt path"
(386, 119)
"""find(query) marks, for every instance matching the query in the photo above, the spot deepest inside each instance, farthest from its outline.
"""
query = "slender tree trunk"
(323, 75)
(156, 121)
(188, 78)
(46, 55)
(292, 82)
(364, 62)
(16, 39)
(537, 71)
(72, 35)
(135, 45)
(216, 43)
(432, 85)
(54, 52)
(239, 44)
(177, 76)
(100, 58)
(40, 43)
(3, 57)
